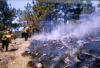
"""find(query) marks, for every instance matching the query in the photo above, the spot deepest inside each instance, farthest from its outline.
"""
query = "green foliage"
(37, 12)
(6, 14)
(41, 11)
(33, 14)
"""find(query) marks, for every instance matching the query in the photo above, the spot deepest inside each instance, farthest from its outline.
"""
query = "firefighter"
(6, 39)
(8, 31)
(27, 32)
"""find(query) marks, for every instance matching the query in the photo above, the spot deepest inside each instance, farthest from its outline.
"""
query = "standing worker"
(6, 39)
(27, 32)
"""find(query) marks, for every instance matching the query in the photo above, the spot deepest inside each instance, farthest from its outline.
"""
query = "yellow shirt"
(7, 37)
(28, 30)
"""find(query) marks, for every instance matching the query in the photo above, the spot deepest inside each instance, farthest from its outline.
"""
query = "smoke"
(75, 29)
(78, 29)
(87, 26)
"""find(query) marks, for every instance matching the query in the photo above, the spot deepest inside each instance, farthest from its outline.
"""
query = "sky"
(19, 3)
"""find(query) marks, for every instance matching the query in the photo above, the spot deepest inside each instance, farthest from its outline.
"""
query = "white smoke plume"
(78, 29)
(87, 26)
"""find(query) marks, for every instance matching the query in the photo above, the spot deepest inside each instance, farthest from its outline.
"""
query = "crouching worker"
(27, 32)
(6, 39)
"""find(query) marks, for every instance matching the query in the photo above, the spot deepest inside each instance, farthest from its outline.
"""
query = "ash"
(66, 53)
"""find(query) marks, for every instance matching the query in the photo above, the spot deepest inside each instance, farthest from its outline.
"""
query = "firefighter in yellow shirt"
(27, 32)
(6, 39)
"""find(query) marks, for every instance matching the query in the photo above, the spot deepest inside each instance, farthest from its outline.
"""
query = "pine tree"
(6, 14)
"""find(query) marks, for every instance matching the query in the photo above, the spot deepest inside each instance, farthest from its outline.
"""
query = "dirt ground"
(13, 58)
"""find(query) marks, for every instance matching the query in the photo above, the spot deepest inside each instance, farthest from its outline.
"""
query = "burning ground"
(68, 46)
(60, 54)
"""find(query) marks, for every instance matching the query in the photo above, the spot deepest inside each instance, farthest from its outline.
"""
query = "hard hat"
(8, 29)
